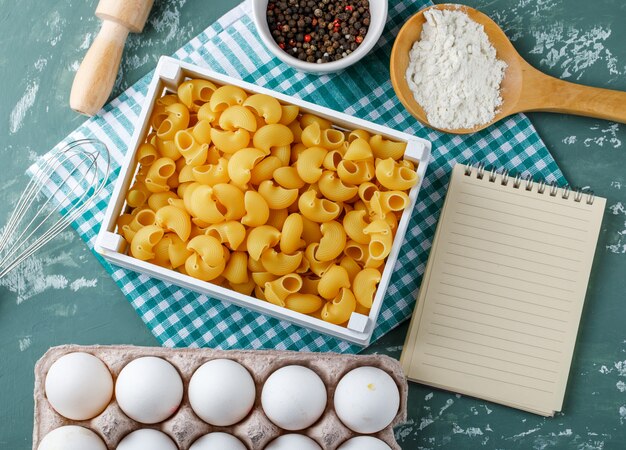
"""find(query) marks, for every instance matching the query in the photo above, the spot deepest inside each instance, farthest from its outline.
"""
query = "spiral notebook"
(501, 299)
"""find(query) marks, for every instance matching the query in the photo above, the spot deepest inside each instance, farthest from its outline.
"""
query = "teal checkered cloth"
(179, 317)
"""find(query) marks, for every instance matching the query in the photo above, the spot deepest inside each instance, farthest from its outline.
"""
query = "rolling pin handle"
(97, 73)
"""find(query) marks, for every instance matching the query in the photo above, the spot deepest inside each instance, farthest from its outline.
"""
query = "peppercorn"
(318, 31)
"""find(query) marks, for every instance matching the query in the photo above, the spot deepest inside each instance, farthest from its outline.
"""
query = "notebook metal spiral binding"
(528, 183)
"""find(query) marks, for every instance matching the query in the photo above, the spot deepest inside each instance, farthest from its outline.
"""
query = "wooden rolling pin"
(96, 75)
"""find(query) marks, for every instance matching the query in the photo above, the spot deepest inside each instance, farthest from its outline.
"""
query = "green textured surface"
(64, 296)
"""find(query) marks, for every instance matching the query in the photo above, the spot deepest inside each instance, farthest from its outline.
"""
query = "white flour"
(453, 71)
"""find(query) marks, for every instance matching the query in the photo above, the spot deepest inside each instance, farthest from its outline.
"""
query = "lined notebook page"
(502, 295)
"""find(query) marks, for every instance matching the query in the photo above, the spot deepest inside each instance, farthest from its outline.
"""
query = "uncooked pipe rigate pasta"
(254, 195)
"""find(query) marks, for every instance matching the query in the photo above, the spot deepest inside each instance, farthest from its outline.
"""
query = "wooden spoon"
(523, 88)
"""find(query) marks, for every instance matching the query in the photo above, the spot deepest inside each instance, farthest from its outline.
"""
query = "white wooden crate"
(168, 75)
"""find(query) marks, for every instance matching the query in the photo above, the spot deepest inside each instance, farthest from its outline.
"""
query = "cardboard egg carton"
(184, 427)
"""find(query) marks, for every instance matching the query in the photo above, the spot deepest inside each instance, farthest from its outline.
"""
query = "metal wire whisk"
(62, 186)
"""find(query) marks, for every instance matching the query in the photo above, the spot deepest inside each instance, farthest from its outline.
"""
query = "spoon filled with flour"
(453, 71)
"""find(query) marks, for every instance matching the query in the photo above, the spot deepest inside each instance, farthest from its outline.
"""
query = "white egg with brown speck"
(367, 399)
(364, 443)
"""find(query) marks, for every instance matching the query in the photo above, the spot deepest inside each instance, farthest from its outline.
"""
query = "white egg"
(147, 439)
(364, 443)
(218, 441)
(79, 386)
(367, 399)
(293, 441)
(221, 392)
(293, 397)
(149, 390)
(71, 437)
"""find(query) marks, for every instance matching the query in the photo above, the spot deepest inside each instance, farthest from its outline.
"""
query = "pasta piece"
(124, 220)
(241, 163)
(137, 195)
(289, 114)
(333, 188)
(231, 199)
(303, 303)
(203, 204)
(310, 231)
(288, 177)
(235, 117)
(158, 173)
(260, 278)
(316, 209)
(315, 136)
(144, 240)
(161, 255)
(158, 113)
(198, 268)
(358, 134)
(146, 154)
(353, 223)
(318, 267)
(174, 219)
(277, 291)
(332, 160)
(335, 278)
(365, 284)
(394, 200)
(340, 309)
(167, 149)
(206, 113)
(226, 96)
(231, 233)
(194, 153)
(308, 119)
(277, 197)
(195, 93)
(383, 148)
(246, 288)
(309, 164)
(280, 263)
(264, 169)
(290, 238)
(351, 266)
(282, 153)
(266, 107)
(395, 177)
(355, 172)
(333, 241)
(277, 218)
(201, 132)
(212, 174)
(177, 251)
(141, 219)
(177, 119)
(260, 239)
(208, 248)
(381, 239)
(359, 150)
(230, 141)
(296, 130)
(309, 285)
(257, 210)
(236, 270)
(273, 135)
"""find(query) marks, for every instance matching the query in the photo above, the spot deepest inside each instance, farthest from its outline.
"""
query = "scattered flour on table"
(21, 108)
(82, 282)
(453, 71)
(24, 343)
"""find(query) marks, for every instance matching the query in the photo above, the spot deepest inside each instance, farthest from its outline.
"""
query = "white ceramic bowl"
(378, 17)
